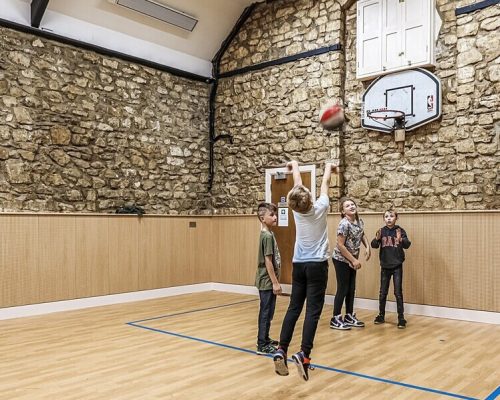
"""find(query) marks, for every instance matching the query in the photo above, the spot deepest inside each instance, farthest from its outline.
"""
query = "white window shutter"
(416, 31)
(392, 53)
(369, 37)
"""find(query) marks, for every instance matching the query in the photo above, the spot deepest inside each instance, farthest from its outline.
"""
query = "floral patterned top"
(353, 233)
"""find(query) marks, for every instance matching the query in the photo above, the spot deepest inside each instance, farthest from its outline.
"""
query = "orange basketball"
(331, 116)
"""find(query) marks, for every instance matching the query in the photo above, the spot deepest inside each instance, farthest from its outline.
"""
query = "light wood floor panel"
(94, 354)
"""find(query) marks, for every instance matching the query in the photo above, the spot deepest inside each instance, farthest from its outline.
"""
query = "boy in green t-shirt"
(266, 278)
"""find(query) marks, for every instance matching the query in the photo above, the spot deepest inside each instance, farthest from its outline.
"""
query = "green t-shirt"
(267, 247)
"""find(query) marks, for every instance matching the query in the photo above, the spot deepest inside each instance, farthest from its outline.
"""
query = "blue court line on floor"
(323, 367)
(193, 311)
(494, 394)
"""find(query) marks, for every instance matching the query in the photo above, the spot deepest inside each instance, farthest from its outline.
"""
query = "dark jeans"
(385, 280)
(266, 314)
(309, 281)
(346, 287)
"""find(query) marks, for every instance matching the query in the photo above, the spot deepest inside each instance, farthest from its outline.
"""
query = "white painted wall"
(101, 23)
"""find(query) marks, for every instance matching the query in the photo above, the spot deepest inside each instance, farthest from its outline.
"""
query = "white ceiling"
(111, 26)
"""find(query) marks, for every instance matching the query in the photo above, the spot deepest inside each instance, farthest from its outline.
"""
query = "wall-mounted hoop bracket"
(384, 117)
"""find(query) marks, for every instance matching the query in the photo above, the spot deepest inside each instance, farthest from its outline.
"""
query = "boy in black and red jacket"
(391, 239)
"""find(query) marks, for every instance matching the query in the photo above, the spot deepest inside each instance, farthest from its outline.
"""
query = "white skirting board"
(487, 317)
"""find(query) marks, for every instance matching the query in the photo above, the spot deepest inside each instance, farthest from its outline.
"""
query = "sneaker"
(267, 349)
(401, 323)
(379, 319)
(280, 364)
(303, 364)
(338, 323)
(351, 320)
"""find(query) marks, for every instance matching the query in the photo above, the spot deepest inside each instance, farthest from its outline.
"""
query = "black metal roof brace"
(213, 91)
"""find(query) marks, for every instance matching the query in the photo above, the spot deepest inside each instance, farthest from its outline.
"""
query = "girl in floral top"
(350, 235)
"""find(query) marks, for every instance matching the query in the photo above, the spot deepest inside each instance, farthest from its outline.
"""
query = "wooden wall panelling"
(19, 271)
(493, 240)
(181, 268)
(214, 272)
(237, 249)
(203, 242)
(413, 267)
(123, 245)
(155, 253)
(479, 247)
(229, 248)
(368, 277)
(442, 249)
(56, 257)
(92, 256)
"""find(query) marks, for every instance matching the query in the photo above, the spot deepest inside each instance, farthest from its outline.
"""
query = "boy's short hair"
(263, 207)
(391, 210)
(299, 199)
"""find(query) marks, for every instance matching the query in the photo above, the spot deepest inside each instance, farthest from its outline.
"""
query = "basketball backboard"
(415, 92)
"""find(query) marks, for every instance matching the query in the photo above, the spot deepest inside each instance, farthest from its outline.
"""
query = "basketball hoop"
(398, 127)
(384, 115)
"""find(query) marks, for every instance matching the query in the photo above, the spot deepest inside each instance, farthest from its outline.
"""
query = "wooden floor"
(202, 348)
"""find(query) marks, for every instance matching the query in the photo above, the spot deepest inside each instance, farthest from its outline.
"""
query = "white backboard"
(415, 92)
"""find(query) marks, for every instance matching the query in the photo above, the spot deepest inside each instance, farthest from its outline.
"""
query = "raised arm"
(325, 183)
(403, 238)
(294, 167)
(376, 241)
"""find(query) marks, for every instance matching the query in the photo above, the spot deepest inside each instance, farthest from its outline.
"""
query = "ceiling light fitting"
(159, 11)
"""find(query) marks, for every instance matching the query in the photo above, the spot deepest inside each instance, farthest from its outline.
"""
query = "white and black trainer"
(338, 323)
(351, 320)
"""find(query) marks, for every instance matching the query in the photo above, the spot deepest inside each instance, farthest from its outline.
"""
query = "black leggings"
(346, 286)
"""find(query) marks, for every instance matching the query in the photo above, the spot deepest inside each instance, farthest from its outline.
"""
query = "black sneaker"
(338, 323)
(351, 320)
(280, 364)
(401, 323)
(379, 319)
(303, 364)
(267, 349)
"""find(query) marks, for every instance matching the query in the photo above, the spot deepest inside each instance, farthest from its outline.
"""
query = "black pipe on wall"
(213, 92)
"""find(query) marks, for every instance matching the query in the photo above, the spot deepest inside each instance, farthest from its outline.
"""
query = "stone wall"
(451, 163)
(85, 132)
(448, 164)
(273, 113)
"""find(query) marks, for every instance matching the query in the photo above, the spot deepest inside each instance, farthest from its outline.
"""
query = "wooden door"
(285, 235)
